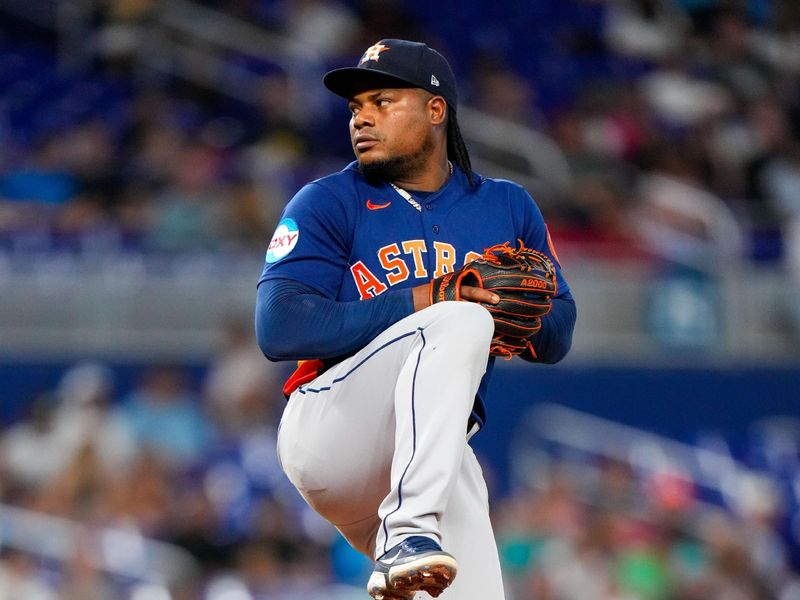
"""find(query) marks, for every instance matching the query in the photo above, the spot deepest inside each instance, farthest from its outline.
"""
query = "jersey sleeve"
(293, 322)
(554, 340)
(534, 233)
(298, 315)
(311, 242)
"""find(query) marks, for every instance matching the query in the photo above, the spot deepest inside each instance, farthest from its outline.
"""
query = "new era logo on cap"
(434, 81)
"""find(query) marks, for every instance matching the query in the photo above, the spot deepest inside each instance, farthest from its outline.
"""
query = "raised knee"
(476, 318)
(465, 322)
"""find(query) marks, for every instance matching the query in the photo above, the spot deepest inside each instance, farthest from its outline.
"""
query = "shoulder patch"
(283, 240)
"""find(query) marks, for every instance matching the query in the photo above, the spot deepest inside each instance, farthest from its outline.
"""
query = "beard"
(397, 168)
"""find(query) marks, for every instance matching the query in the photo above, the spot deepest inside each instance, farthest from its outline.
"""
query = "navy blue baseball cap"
(396, 63)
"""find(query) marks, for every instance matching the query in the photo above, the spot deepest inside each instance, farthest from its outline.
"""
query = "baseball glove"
(524, 279)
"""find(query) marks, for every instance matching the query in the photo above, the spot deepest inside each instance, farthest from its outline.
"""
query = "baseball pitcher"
(396, 283)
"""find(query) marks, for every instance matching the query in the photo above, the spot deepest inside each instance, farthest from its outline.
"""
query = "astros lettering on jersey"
(372, 232)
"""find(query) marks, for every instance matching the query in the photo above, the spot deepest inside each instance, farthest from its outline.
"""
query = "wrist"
(422, 296)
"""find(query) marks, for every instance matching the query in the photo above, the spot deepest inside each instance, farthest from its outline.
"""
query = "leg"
(381, 434)
(432, 407)
(467, 534)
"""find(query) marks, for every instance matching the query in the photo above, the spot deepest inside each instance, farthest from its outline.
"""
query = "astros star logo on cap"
(373, 53)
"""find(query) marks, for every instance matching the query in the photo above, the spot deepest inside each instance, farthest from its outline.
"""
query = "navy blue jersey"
(348, 239)
(354, 240)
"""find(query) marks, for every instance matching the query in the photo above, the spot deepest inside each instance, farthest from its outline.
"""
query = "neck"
(429, 179)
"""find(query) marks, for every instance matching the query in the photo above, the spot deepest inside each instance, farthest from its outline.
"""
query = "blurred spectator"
(279, 116)
(46, 179)
(248, 216)
(734, 63)
(142, 497)
(261, 568)
(91, 155)
(269, 163)
(675, 212)
(599, 211)
(780, 180)
(779, 44)
(680, 99)
(33, 192)
(387, 19)
(153, 140)
(241, 388)
(120, 30)
(74, 421)
(596, 208)
(20, 580)
(165, 416)
(85, 415)
(196, 526)
(617, 125)
(327, 26)
(498, 90)
(185, 215)
(270, 570)
(80, 491)
(587, 161)
(733, 575)
(617, 490)
(35, 452)
(769, 127)
(83, 580)
(652, 29)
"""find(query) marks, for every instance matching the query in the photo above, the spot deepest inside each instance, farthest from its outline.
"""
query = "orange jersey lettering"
(396, 268)
(416, 248)
(368, 285)
(445, 258)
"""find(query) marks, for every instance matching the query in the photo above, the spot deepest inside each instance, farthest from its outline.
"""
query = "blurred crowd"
(673, 115)
(621, 536)
(670, 114)
(174, 459)
(191, 461)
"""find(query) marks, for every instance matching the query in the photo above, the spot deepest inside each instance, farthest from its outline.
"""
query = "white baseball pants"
(377, 444)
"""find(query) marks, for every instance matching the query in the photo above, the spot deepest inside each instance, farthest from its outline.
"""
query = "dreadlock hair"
(456, 148)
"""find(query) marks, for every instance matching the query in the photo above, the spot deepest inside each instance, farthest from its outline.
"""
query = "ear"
(437, 110)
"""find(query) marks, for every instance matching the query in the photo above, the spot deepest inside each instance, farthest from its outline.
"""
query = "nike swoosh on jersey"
(372, 206)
